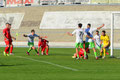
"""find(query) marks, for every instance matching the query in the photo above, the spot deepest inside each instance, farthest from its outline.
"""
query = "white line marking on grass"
(69, 68)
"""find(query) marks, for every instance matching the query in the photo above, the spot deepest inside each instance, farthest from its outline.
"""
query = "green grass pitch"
(59, 65)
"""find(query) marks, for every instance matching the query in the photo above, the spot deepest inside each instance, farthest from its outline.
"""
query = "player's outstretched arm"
(25, 35)
(43, 37)
(69, 34)
(47, 41)
(13, 37)
(38, 37)
(100, 27)
(90, 37)
(95, 42)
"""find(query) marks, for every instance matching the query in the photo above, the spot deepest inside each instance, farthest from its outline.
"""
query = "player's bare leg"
(6, 52)
(95, 53)
(42, 51)
(28, 52)
(104, 51)
(101, 53)
(75, 55)
(38, 49)
(77, 51)
(84, 53)
(35, 50)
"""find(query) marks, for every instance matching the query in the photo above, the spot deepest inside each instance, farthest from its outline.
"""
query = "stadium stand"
(17, 3)
(33, 17)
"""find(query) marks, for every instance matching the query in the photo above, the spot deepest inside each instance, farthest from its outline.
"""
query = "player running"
(97, 40)
(106, 43)
(79, 39)
(8, 39)
(31, 41)
(89, 37)
(43, 43)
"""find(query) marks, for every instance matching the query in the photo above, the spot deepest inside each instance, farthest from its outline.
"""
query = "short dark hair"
(7, 23)
(89, 24)
(84, 42)
(97, 31)
(10, 24)
(80, 25)
(104, 31)
(32, 30)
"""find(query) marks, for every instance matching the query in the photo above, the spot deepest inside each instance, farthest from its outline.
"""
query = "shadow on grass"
(5, 65)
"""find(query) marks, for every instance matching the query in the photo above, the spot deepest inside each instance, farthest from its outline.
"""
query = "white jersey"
(90, 32)
(97, 40)
(79, 35)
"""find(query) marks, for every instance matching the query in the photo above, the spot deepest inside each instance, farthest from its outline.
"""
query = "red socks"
(7, 50)
(11, 49)
(47, 51)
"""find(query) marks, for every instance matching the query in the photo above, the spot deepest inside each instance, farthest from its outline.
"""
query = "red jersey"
(81, 52)
(42, 43)
(6, 31)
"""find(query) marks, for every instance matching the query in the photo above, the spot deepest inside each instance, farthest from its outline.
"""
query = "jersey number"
(81, 34)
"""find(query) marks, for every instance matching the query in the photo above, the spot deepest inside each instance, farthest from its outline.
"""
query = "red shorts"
(43, 48)
(39, 44)
(8, 42)
(81, 53)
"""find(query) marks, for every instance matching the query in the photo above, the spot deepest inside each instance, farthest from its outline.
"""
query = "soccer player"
(79, 39)
(11, 46)
(86, 49)
(89, 37)
(97, 40)
(106, 43)
(43, 43)
(31, 41)
(81, 52)
(8, 39)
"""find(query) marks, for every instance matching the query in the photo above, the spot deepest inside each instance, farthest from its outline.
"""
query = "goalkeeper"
(106, 44)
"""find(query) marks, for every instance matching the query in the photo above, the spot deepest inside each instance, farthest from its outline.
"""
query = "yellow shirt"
(105, 40)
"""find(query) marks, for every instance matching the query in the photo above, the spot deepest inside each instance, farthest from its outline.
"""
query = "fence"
(15, 3)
